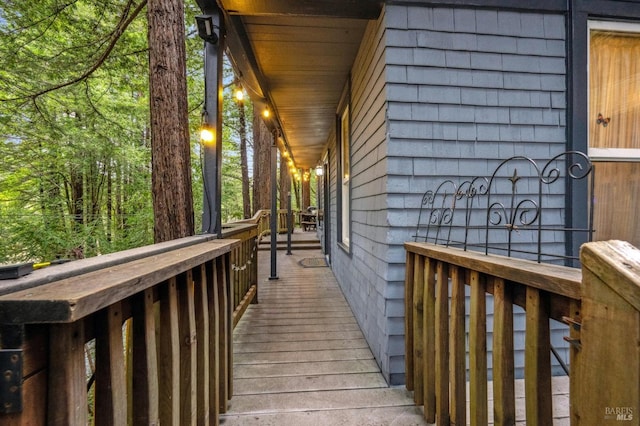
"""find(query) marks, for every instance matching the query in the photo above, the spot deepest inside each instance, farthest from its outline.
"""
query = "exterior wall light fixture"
(206, 29)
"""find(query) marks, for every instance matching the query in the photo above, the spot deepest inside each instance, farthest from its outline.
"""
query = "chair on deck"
(309, 219)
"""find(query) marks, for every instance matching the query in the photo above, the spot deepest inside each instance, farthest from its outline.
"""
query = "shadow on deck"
(301, 359)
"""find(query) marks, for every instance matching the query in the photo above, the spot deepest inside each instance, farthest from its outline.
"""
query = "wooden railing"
(137, 337)
(244, 266)
(605, 377)
(435, 332)
(263, 219)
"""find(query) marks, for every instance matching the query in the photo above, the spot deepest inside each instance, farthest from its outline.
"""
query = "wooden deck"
(301, 359)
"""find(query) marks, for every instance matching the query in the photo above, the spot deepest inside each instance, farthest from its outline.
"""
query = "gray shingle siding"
(437, 93)
(478, 85)
(362, 272)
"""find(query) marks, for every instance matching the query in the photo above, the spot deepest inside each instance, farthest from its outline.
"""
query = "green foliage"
(74, 129)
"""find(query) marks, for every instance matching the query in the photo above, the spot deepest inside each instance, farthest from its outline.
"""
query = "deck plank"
(301, 358)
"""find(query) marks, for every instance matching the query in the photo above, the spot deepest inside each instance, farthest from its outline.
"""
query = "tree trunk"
(296, 194)
(110, 202)
(285, 184)
(170, 148)
(244, 165)
(306, 190)
(261, 165)
(76, 201)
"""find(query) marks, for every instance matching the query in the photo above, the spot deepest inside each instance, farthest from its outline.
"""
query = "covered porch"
(195, 332)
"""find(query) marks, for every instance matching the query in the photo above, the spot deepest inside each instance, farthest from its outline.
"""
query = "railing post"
(11, 366)
(275, 219)
(289, 223)
(608, 354)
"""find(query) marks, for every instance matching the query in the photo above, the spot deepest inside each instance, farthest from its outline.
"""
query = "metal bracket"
(11, 361)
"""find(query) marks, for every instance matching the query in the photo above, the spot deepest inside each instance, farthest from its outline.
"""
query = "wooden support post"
(605, 382)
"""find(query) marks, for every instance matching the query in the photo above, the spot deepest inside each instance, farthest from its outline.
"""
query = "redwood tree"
(170, 150)
(244, 163)
(261, 164)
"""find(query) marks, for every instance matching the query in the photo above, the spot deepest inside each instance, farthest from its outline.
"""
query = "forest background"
(75, 174)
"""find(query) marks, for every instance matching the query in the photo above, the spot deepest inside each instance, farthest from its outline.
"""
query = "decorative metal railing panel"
(519, 209)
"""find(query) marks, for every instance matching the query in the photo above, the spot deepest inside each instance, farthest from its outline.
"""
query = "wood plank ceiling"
(295, 56)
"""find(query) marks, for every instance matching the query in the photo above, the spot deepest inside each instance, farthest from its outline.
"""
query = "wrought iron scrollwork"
(514, 199)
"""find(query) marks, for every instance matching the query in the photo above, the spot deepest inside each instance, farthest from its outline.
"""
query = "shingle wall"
(437, 93)
(466, 88)
(362, 270)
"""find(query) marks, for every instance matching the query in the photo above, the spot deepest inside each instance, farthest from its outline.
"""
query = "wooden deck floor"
(301, 359)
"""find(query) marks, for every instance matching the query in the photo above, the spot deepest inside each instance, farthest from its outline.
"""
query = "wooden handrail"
(601, 303)
(262, 219)
(169, 306)
(436, 335)
(74, 298)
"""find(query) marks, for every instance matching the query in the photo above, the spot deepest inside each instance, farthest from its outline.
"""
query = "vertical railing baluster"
(442, 345)
(254, 263)
(537, 363)
(214, 345)
(203, 339)
(478, 350)
(504, 405)
(226, 261)
(457, 366)
(111, 385)
(145, 361)
(408, 321)
(188, 349)
(430, 340)
(67, 398)
(224, 331)
(169, 361)
(418, 330)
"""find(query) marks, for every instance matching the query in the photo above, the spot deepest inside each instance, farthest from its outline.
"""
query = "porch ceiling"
(295, 57)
